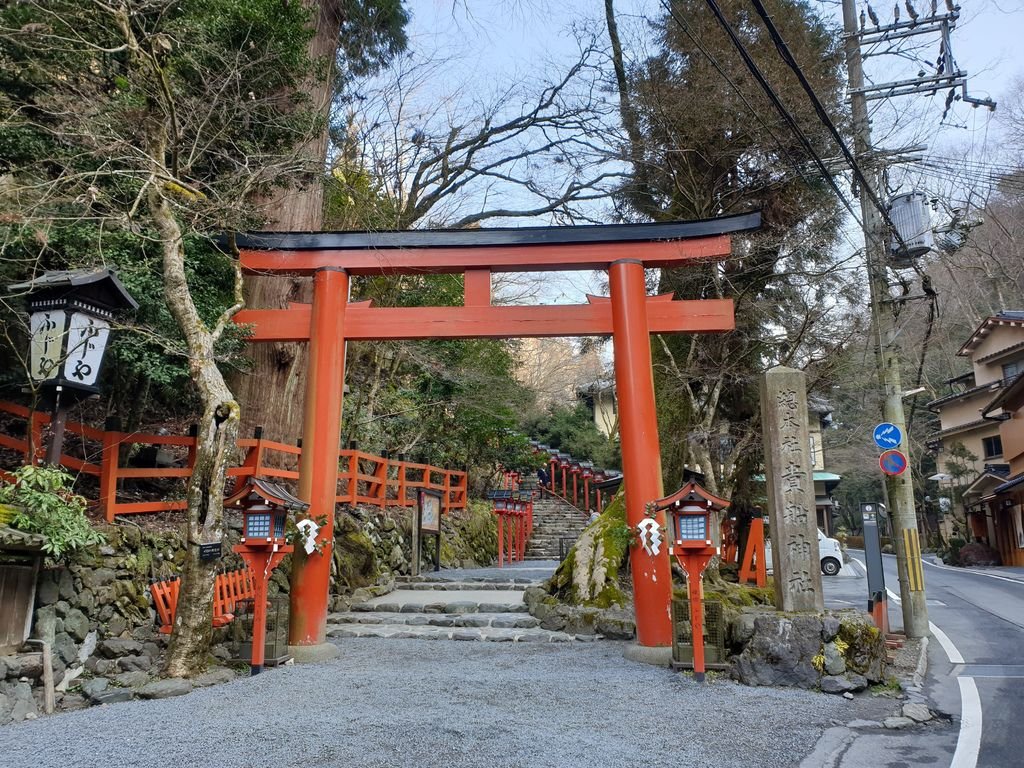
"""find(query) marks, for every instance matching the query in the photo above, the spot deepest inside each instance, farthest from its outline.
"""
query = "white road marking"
(968, 743)
(973, 573)
(952, 653)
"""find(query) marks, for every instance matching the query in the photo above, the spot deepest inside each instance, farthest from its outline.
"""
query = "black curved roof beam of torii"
(504, 249)
(478, 253)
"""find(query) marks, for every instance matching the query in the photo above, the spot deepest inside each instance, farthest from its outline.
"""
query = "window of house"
(1010, 370)
(992, 446)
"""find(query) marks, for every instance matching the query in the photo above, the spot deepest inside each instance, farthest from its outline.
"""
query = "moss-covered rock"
(863, 645)
(469, 536)
(791, 649)
(594, 573)
(355, 563)
(590, 592)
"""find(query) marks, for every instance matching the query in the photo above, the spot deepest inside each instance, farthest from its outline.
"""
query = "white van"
(830, 551)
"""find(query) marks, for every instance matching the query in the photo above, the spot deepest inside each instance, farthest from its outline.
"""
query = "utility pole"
(900, 488)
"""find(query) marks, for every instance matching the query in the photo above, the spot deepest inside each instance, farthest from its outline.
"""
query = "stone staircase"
(427, 607)
(553, 520)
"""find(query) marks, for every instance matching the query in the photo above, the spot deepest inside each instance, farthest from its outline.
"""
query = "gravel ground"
(441, 704)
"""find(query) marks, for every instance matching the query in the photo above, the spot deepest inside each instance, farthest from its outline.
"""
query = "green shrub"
(46, 505)
(950, 554)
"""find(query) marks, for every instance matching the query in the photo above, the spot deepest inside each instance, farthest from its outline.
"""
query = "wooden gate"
(18, 573)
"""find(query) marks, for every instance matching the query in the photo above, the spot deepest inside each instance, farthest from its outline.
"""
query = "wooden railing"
(229, 589)
(363, 478)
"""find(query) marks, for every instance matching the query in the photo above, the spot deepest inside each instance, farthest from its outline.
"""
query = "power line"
(671, 11)
(790, 61)
(774, 97)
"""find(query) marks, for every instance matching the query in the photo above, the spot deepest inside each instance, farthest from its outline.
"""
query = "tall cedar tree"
(700, 146)
(350, 38)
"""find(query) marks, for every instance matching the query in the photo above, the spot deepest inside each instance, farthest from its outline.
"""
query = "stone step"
(489, 634)
(461, 586)
(475, 620)
(429, 601)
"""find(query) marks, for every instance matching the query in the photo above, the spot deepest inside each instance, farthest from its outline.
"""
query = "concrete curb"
(922, 664)
(660, 656)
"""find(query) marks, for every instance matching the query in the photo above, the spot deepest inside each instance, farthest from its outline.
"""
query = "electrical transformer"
(911, 216)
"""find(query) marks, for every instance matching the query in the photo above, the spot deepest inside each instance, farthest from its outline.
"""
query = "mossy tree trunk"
(216, 441)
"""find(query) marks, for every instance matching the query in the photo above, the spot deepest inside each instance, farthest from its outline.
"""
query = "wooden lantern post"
(690, 509)
(264, 511)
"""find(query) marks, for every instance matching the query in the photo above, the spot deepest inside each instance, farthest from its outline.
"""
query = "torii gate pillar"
(641, 452)
(318, 467)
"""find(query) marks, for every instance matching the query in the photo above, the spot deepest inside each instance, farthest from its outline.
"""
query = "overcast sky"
(493, 42)
(497, 39)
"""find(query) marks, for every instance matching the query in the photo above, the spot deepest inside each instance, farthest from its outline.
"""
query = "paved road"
(980, 646)
(932, 745)
(982, 614)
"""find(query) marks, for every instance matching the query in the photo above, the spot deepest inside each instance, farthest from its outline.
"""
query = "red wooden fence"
(230, 588)
(363, 478)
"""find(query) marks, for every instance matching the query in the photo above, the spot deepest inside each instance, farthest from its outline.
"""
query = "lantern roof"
(692, 492)
(97, 285)
(255, 488)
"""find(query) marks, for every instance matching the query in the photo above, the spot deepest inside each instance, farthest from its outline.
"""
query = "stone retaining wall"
(97, 616)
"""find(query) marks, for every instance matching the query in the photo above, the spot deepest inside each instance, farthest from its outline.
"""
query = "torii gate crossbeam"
(628, 315)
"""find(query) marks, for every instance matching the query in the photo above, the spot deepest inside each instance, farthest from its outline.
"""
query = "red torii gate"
(628, 316)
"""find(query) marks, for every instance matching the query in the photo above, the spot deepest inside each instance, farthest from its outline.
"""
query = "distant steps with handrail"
(556, 526)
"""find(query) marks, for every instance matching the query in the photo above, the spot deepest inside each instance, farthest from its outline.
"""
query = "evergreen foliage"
(699, 148)
(572, 429)
(45, 504)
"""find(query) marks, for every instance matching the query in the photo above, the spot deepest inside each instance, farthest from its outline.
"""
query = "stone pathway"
(554, 521)
(484, 604)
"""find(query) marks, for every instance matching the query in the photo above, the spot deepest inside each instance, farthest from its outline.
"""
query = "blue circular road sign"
(893, 462)
(887, 436)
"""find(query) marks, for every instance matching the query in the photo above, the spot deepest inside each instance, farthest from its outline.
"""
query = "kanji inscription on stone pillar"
(790, 486)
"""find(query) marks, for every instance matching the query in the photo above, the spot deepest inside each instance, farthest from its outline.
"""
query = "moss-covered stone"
(469, 536)
(594, 572)
(144, 561)
(864, 650)
(779, 648)
(355, 562)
